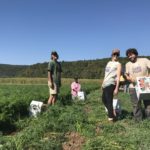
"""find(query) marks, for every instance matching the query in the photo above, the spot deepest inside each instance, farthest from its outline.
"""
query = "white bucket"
(81, 95)
(35, 108)
(116, 106)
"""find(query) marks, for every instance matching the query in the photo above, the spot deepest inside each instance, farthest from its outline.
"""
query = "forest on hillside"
(87, 69)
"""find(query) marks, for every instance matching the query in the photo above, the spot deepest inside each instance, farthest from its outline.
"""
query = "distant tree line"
(89, 69)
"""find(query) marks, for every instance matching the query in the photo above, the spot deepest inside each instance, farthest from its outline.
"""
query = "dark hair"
(131, 50)
(55, 54)
(76, 78)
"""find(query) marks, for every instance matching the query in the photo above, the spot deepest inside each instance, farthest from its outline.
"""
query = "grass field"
(79, 125)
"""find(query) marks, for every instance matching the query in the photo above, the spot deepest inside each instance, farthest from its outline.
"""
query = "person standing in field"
(54, 77)
(75, 88)
(137, 67)
(110, 85)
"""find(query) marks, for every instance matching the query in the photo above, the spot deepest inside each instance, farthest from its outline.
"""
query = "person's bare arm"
(118, 79)
(50, 80)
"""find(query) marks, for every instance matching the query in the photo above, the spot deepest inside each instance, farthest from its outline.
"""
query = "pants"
(107, 99)
(136, 104)
(147, 108)
(137, 108)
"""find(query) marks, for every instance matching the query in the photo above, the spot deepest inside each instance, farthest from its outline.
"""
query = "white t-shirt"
(110, 73)
(138, 69)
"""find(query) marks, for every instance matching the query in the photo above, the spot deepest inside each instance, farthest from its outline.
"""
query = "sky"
(76, 29)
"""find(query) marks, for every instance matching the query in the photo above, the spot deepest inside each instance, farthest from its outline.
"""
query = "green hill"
(90, 69)
(7, 70)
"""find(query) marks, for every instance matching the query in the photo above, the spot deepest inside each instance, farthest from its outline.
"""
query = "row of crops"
(14, 106)
(67, 125)
(15, 99)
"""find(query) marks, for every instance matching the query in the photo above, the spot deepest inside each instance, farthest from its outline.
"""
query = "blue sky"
(76, 29)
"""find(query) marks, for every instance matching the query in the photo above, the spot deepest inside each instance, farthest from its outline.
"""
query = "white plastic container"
(116, 106)
(35, 108)
(81, 95)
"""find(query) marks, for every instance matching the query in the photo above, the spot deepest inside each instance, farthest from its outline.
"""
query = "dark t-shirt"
(55, 68)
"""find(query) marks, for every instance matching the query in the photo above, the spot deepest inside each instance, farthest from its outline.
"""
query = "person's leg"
(50, 100)
(136, 104)
(53, 95)
(54, 99)
(107, 99)
(104, 97)
(105, 102)
(57, 90)
(110, 93)
(147, 108)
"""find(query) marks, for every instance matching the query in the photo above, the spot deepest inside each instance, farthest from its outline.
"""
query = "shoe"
(110, 119)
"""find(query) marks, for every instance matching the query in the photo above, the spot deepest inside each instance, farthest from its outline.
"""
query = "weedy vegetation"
(75, 125)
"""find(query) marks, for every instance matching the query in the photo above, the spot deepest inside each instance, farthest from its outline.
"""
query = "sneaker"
(110, 119)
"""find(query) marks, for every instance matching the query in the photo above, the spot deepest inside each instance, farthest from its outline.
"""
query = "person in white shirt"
(110, 83)
(137, 67)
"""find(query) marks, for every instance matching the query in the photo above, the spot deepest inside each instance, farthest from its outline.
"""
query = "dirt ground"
(75, 141)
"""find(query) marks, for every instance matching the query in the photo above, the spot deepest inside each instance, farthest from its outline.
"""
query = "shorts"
(53, 91)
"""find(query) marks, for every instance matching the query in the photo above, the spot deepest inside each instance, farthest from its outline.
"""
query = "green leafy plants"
(67, 124)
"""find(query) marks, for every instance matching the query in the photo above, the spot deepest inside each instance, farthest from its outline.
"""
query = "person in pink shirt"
(75, 88)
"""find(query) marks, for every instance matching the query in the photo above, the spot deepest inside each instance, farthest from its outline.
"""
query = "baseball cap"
(114, 51)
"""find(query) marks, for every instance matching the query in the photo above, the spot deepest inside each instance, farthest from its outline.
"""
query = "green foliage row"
(51, 129)
(15, 99)
(88, 119)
